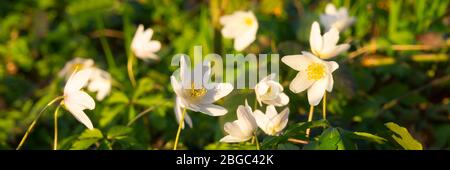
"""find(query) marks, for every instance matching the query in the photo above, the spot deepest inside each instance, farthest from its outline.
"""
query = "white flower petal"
(281, 120)
(316, 91)
(315, 38)
(232, 139)
(244, 114)
(337, 50)
(179, 112)
(297, 62)
(332, 66)
(330, 83)
(330, 40)
(281, 100)
(80, 98)
(233, 129)
(330, 9)
(77, 112)
(271, 112)
(218, 91)
(300, 83)
(243, 41)
(212, 109)
(261, 119)
(77, 80)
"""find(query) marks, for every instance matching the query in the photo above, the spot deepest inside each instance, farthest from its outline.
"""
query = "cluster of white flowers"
(315, 75)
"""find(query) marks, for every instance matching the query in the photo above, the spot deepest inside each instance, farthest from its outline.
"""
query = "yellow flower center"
(195, 93)
(315, 71)
(248, 21)
(77, 66)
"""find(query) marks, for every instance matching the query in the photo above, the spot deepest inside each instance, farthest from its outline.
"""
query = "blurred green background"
(397, 69)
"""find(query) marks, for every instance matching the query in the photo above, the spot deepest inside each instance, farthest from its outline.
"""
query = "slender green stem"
(179, 128)
(140, 115)
(30, 128)
(310, 116)
(257, 142)
(130, 69)
(324, 106)
(55, 139)
(105, 45)
(127, 41)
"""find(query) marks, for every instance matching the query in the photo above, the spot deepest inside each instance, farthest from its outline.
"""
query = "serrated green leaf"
(402, 137)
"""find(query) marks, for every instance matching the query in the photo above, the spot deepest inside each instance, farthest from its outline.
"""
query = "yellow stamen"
(315, 71)
(248, 21)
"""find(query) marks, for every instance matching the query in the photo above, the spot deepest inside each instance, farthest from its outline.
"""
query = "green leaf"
(91, 134)
(87, 139)
(363, 136)
(287, 146)
(118, 132)
(117, 97)
(330, 139)
(402, 137)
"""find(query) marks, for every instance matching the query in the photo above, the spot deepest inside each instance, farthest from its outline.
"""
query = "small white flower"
(194, 95)
(142, 45)
(240, 26)
(315, 75)
(270, 92)
(179, 112)
(241, 129)
(75, 100)
(79, 63)
(100, 82)
(325, 46)
(337, 18)
(272, 123)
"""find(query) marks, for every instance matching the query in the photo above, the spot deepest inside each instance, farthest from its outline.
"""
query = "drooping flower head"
(75, 100)
(240, 26)
(98, 81)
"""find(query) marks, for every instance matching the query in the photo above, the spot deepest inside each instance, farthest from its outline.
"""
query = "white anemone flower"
(100, 82)
(195, 94)
(75, 100)
(337, 18)
(325, 46)
(241, 129)
(78, 63)
(142, 45)
(240, 26)
(272, 123)
(270, 92)
(315, 75)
